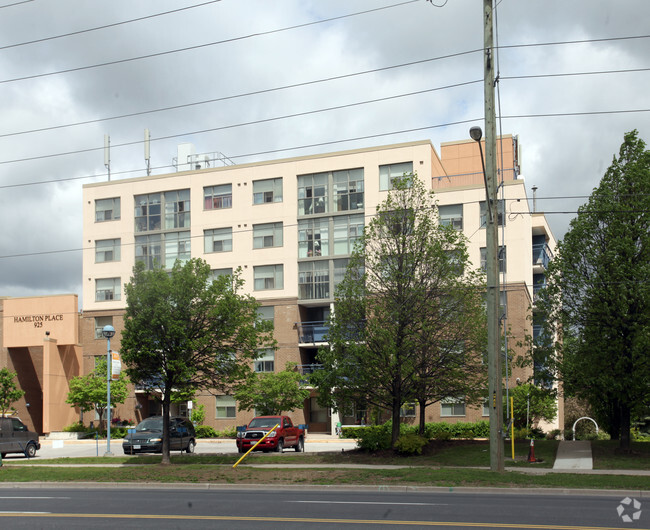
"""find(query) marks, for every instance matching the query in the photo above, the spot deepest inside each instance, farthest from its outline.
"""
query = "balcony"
(542, 255)
(312, 332)
(306, 369)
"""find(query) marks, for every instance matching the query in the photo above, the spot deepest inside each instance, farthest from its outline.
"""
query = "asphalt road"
(78, 448)
(198, 508)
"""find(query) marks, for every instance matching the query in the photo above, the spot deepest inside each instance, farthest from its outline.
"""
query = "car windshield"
(258, 423)
(150, 424)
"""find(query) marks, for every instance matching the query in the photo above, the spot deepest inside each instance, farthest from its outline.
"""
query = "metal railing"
(542, 254)
(312, 332)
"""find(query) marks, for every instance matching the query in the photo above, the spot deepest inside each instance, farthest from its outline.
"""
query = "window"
(217, 273)
(313, 280)
(226, 407)
(452, 407)
(347, 230)
(158, 250)
(269, 190)
(312, 194)
(451, 215)
(340, 268)
(483, 213)
(218, 240)
(486, 407)
(217, 197)
(407, 410)
(100, 322)
(502, 258)
(348, 190)
(389, 172)
(107, 289)
(177, 209)
(147, 212)
(398, 222)
(266, 313)
(267, 235)
(265, 362)
(317, 413)
(107, 209)
(107, 250)
(267, 277)
(149, 249)
(177, 247)
(313, 238)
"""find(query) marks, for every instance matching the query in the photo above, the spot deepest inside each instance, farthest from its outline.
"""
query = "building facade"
(290, 226)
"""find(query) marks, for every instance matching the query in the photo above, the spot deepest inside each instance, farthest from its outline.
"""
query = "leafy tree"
(408, 314)
(9, 393)
(272, 393)
(597, 303)
(88, 392)
(183, 332)
(532, 403)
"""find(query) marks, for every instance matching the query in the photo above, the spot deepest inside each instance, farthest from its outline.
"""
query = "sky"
(259, 80)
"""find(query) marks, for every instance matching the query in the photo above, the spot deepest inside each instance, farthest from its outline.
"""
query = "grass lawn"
(448, 464)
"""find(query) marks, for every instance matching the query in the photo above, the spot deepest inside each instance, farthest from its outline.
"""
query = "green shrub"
(374, 438)
(442, 436)
(228, 432)
(118, 432)
(205, 431)
(410, 444)
(554, 434)
(76, 427)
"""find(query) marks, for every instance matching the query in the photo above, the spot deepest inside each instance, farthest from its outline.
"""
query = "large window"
(149, 249)
(147, 212)
(162, 250)
(107, 250)
(265, 362)
(312, 194)
(107, 289)
(502, 258)
(265, 191)
(313, 237)
(266, 313)
(107, 209)
(483, 213)
(389, 172)
(267, 235)
(177, 209)
(451, 215)
(348, 190)
(218, 240)
(177, 247)
(217, 197)
(347, 229)
(267, 277)
(217, 273)
(100, 322)
(226, 407)
(313, 280)
(452, 407)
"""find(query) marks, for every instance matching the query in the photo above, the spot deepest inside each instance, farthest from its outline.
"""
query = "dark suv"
(148, 436)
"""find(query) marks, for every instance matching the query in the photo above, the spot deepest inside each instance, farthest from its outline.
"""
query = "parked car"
(285, 435)
(15, 437)
(148, 436)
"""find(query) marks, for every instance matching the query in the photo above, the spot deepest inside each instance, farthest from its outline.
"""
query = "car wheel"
(190, 446)
(280, 446)
(300, 446)
(30, 451)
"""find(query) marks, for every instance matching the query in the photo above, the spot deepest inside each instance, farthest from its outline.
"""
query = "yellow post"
(258, 443)
(512, 426)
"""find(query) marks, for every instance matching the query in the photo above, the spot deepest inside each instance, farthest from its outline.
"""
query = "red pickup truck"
(285, 435)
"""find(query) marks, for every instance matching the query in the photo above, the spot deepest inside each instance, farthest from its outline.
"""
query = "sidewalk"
(575, 455)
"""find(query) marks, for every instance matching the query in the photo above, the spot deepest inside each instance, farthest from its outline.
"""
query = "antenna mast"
(107, 154)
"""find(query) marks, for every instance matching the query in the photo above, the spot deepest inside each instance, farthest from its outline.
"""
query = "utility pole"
(492, 250)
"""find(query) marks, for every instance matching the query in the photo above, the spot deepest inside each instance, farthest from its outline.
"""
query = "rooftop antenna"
(107, 154)
(534, 198)
(147, 156)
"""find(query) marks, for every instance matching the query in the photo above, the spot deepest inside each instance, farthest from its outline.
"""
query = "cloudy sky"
(260, 80)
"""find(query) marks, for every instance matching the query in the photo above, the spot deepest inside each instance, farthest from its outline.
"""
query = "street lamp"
(108, 332)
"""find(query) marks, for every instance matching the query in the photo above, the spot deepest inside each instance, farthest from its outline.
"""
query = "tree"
(532, 404)
(9, 393)
(597, 303)
(88, 392)
(408, 314)
(272, 393)
(183, 332)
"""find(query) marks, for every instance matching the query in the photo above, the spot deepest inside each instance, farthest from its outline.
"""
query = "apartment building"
(290, 226)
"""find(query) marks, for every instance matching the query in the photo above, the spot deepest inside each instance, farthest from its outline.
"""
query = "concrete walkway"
(574, 455)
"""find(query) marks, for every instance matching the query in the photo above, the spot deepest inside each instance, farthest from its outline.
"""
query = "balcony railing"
(312, 332)
(542, 254)
(306, 369)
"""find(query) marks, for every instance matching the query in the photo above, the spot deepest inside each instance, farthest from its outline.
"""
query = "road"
(77, 448)
(192, 507)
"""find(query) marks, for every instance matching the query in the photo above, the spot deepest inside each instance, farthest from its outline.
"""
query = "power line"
(16, 4)
(106, 26)
(199, 46)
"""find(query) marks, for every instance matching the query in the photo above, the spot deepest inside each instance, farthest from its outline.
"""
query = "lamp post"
(495, 404)
(108, 332)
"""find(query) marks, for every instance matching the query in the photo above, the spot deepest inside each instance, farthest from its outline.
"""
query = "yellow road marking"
(308, 520)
